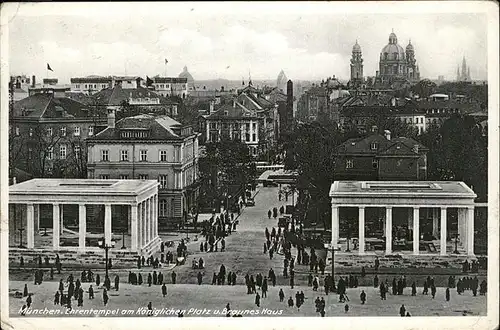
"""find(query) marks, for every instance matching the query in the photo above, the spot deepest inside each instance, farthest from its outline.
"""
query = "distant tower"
(412, 72)
(464, 69)
(458, 73)
(468, 74)
(281, 82)
(356, 65)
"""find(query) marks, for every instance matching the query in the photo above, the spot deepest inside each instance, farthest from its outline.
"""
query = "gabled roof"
(159, 127)
(228, 111)
(384, 146)
(48, 106)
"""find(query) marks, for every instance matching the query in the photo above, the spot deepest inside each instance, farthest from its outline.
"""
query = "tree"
(424, 88)
(458, 151)
(227, 163)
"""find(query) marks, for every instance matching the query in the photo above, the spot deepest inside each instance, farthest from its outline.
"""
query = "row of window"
(143, 155)
(91, 86)
(162, 179)
(214, 136)
(63, 152)
(235, 126)
(418, 120)
(350, 163)
(62, 131)
(442, 110)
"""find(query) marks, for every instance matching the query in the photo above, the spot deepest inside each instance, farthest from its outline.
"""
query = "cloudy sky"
(229, 41)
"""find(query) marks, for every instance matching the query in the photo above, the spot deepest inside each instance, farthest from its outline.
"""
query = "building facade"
(150, 147)
(171, 86)
(378, 157)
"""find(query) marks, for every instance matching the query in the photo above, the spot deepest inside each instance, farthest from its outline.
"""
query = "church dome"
(409, 47)
(356, 48)
(185, 74)
(392, 51)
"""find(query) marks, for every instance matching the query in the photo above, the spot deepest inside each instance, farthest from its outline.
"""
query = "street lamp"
(348, 236)
(123, 238)
(329, 246)
(106, 248)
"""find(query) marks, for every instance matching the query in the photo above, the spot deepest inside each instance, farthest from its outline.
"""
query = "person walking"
(433, 291)
(56, 298)
(447, 294)
(402, 310)
(257, 299)
(164, 290)
(362, 297)
(200, 278)
(91, 292)
(105, 297)
(281, 295)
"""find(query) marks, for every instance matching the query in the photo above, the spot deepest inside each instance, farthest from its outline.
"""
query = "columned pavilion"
(436, 198)
(139, 196)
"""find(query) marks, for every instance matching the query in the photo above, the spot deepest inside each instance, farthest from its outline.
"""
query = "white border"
(131, 10)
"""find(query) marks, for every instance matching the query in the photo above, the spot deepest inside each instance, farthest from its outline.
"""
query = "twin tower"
(395, 63)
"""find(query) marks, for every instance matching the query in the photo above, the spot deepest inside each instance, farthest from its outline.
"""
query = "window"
(105, 176)
(162, 179)
(349, 163)
(144, 155)
(374, 146)
(91, 130)
(30, 153)
(163, 207)
(375, 163)
(247, 137)
(17, 131)
(77, 152)
(143, 176)
(105, 155)
(213, 126)
(62, 151)
(254, 137)
(123, 176)
(50, 153)
(163, 155)
(77, 131)
(254, 126)
(124, 155)
(31, 131)
(247, 126)
(49, 131)
(177, 155)
(63, 131)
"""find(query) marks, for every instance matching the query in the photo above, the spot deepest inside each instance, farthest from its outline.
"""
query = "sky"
(227, 41)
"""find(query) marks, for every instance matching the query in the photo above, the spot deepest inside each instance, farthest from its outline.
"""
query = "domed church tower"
(356, 65)
(412, 73)
(394, 62)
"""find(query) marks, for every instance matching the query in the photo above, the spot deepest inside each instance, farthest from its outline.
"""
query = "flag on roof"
(149, 81)
(49, 68)
(166, 61)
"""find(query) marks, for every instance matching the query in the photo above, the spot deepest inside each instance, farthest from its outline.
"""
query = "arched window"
(385, 56)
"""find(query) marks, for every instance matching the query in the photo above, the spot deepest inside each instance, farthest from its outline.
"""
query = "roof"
(401, 189)
(97, 79)
(185, 74)
(159, 128)
(80, 97)
(49, 106)
(117, 95)
(173, 80)
(72, 190)
(228, 111)
(384, 147)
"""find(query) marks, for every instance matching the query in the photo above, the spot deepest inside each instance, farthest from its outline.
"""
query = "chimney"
(33, 82)
(234, 103)
(111, 118)
(211, 106)
(387, 134)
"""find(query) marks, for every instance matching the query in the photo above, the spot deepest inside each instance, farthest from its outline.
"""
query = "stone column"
(361, 220)
(156, 214)
(143, 224)
(443, 231)
(30, 225)
(139, 226)
(107, 224)
(461, 222)
(82, 226)
(335, 225)
(150, 222)
(470, 230)
(61, 219)
(134, 237)
(416, 230)
(151, 217)
(37, 217)
(129, 219)
(435, 222)
(388, 230)
(56, 222)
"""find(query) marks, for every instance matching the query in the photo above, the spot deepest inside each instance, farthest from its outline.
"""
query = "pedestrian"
(174, 277)
(91, 292)
(150, 279)
(200, 278)
(363, 271)
(290, 302)
(433, 291)
(346, 308)
(413, 289)
(150, 308)
(29, 300)
(164, 290)
(139, 279)
(97, 280)
(105, 297)
(25, 292)
(408, 314)
(426, 289)
(269, 213)
(56, 298)
(117, 282)
(375, 281)
(257, 299)
(223, 243)
(281, 295)
(51, 273)
(447, 294)
(402, 310)
(377, 263)
(362, 297)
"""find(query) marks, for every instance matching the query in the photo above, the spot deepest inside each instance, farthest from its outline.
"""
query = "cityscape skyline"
(261, 45)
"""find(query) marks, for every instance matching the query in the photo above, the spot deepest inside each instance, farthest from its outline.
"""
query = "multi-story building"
(171, 86)
(234, 121)
(128, 101)
(150, 147)
(47, 134)
(378, 157)
(19, 86)
(92, 84)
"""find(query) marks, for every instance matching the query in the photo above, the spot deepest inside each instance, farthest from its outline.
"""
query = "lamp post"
(123, 239)
(329, 246)
(106, 248)
(348, 236)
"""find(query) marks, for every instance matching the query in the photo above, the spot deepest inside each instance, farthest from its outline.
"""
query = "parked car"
(250, 202)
